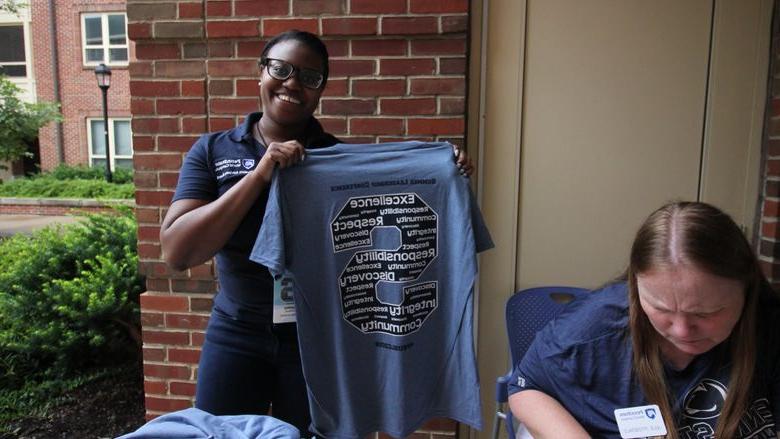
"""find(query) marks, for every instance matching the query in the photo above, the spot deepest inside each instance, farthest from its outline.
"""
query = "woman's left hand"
(463, 161)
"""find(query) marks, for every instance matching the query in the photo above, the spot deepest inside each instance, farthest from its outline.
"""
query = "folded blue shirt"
(194, 423)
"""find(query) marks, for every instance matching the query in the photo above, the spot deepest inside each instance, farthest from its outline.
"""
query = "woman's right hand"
(281, 154)
(194, 230)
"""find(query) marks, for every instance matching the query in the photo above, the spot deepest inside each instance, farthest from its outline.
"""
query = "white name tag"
(642, 421)
(284, 306)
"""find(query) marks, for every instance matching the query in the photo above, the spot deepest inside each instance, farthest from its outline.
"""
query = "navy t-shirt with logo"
(381, 242)
(213, 165)
(583, 360)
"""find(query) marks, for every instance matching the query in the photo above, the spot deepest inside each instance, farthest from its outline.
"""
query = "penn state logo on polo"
(705, 400)
(227, 168)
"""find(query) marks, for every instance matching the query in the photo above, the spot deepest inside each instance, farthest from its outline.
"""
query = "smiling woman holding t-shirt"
(695, 329)
(248, 362)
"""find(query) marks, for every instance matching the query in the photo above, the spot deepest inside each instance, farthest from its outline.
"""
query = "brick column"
(397, 72)
(168, 102)
(769, 232)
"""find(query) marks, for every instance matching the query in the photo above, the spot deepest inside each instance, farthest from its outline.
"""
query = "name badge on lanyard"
(284, 306)
(641, 421)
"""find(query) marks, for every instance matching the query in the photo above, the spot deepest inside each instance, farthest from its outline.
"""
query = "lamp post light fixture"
(103, 75)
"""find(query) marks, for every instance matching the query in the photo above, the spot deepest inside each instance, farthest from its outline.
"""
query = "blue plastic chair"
(527, 311)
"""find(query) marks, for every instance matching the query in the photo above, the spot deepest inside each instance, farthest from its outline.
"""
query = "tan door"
(593, 114)
(614, 98)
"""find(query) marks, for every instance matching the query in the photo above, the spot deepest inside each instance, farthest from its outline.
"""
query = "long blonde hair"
(709, 240)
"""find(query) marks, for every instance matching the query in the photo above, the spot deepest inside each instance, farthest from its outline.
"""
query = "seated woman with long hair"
(693, 327)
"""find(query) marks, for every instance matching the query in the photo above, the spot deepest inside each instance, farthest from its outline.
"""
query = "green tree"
(11, 6)
(20, 121)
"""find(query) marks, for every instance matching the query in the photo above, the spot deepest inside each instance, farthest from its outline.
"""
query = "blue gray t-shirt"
(194, 423)
(381, 241)
(583, 359)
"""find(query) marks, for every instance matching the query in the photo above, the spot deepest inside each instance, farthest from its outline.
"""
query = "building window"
(12, 59)
(120, 140)
(104, 39)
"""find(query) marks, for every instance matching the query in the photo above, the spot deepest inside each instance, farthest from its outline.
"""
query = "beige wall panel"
(612, 125)
(735, 110)
(499, 161)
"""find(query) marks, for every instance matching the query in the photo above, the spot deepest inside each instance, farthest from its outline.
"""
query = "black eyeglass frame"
(294, 70)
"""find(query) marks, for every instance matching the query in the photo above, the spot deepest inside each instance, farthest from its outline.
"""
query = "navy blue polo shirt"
(583, 359)
(213, 165)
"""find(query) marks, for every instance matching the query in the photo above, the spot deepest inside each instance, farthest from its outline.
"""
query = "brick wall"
(769, 231)
(79, 93)
(54, 206)
(397, 72)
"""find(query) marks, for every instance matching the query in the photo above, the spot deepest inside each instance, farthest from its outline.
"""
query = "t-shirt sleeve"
(482, 239)
(269, 249)
(196, 179)
(536, 371)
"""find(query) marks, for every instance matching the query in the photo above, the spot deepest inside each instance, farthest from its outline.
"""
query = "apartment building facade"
(51, 51)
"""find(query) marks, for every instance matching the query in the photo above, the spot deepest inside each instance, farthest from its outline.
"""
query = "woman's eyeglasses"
(282, 70)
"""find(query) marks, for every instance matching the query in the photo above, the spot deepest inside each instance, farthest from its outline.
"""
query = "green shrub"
(72, 182)
(69, 297)
(43, 187)
(82, 172)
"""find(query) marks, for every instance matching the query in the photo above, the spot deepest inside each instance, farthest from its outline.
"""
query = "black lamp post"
(103, 75)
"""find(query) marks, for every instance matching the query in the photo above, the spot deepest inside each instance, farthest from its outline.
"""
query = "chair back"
(527, 311)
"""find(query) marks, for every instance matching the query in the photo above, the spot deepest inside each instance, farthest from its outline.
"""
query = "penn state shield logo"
(705, 400)
(248, 163)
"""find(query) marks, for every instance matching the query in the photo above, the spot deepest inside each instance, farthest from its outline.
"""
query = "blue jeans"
(246, 367)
